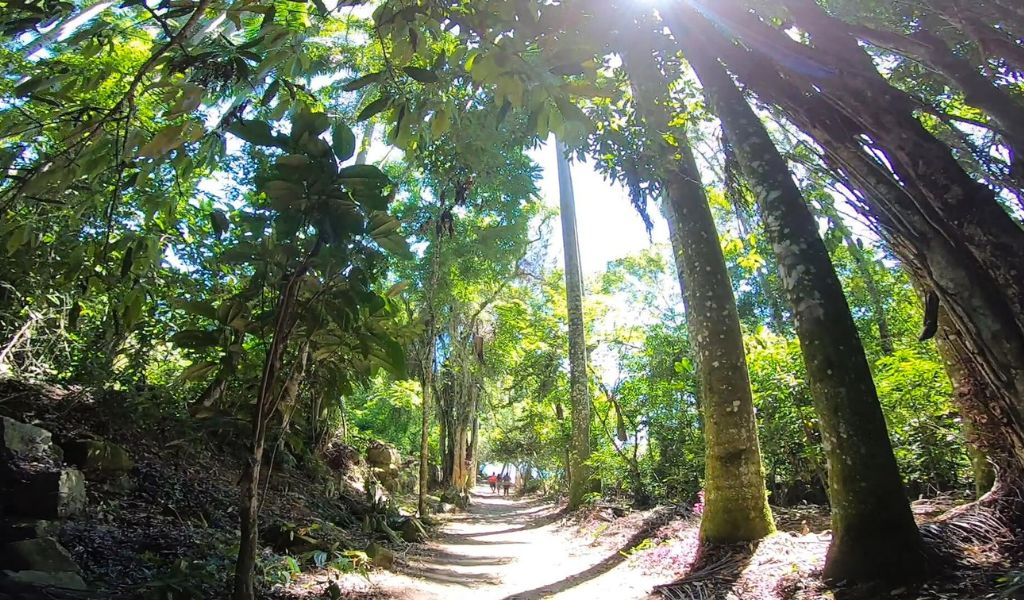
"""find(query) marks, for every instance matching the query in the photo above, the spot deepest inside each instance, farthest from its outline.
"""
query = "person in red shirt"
(493, 480)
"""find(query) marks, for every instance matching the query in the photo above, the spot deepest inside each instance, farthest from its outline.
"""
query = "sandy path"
(512, 549)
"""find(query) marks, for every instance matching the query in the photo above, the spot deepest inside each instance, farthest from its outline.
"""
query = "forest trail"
(513, 549)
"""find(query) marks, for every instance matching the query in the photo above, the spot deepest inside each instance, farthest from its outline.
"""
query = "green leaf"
(377, 106)
(292, 161)
(190, 99)
(306, 121)
(441, 123)
(197, 307)
(283, 194)
(361, 82)
(220, 223)
(171, 137)
(17, 238)
(26, 88)
(397, 289)
(362, 172)
(395, 355)
(258, 133)
(133, 307)
(421, 75)
(344, 141)
(195, 339)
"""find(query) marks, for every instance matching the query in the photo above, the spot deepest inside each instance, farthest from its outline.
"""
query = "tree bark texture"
(961, 208)
(579, 395)
(981, 310)
(736, 500)
(266, 402)
(874, 534)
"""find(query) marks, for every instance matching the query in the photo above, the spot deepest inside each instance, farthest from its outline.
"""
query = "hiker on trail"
(506, 482)
(493, 480)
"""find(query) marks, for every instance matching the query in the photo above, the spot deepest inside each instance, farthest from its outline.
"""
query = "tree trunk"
(932, 51)
(966, 209)
(980, 309)
(248, 511)
(579, 396)
(427, 385)
(874, 534)
(427, 375)
(364, 144)
(839, 71)
(736, 501)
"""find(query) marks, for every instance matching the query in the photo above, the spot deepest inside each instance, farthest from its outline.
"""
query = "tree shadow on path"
(610, 562)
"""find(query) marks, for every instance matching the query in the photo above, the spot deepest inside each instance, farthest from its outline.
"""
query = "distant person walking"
(506, 482)
(493, 480)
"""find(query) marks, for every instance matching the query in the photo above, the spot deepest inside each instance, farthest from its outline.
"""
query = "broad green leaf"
(377, 106)
(17, 238)
(421, 75)
(362, 172)
(292, 161)
(440, 124)
(195, 339)
(258, 133)
(344, 141)
(197, 307)
(361, 82)
(171, 137)
(283, 194)
(190, 99)
(397, 289)
(307, 122)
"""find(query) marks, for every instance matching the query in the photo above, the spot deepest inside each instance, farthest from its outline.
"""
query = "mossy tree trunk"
(736, 501)
(874, 534)
(579, 396)
(980, 309)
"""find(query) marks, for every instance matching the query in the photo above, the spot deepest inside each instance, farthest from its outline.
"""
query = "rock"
(342, 458)
(391, 485)
(413, 532)
(409, 482)
(27, 529)
(381, 455)
(64, 579)
(98, 458)
(380, 556)
(28, 442)
(124, 484)
(47, 494)
(452, 496)
(444, 507)
(40, 554)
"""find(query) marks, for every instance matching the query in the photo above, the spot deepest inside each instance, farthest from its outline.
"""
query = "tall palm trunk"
(427, 376)
(736, 500)
(874, 533)
(579, 474)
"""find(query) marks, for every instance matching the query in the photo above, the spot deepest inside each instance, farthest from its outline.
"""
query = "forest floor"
(175, 527)
(529, 548)
(519, 548)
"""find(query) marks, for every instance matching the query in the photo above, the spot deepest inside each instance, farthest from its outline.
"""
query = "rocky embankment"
(41, 484)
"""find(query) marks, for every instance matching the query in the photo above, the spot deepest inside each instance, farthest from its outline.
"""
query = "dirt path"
(512, 549)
